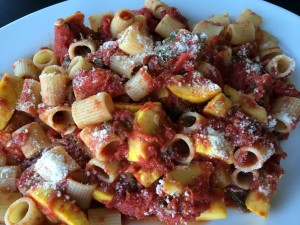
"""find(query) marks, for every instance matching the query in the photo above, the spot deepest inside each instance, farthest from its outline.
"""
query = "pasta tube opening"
(104, 171)
(18, 212)
(23, 211)
(44, 58)
(250, 158)
(183, 148)
(81, 48)
(187, 120)
(122, 19)
(281, 66)
(286, 110)
(190, 121)
(59, 118)
(111, 148)
(101, 140)
(25, 68)
(244, 179)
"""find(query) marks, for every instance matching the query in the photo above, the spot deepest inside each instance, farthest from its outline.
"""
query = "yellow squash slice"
(65, 210)
(10, 91)
(196, 92)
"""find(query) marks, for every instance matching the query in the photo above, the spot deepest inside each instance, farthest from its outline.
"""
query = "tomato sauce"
(66, 31)
(88, 83)
(104, 54)
(175, 14)
(104, 29)
(151, 20)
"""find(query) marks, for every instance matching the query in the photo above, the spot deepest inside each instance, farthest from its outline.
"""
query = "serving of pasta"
(140, 114)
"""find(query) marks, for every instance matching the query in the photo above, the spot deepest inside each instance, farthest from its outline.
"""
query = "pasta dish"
(140, 114)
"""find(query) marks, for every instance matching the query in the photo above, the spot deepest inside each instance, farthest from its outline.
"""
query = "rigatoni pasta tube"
(168, 25)
(8, 178)
(25, 68)
(44, 58)
(104, 216)
(264, 36)
(143, 21)
(78, 63)
(59, 118)
(211, 72)
(244, 179)
(101, 141)
(140, 85)
(105, 171)
(191, 121)
(30, 97)
(24, 212)
(122, 19)
(53, 88)
(287, 112)
(241, 33)
(95, 109)
(81, 48)
(55, 164)
(34, 139)
(6, 199)
(80, 190)
(281, 66)
(183, 148)
(221, 19)
(248, 16)
(156, 7)
(224, 52)
(209, 28)
(123, 65)
(96, 20)
(134, 42)
(249, 158)
(269, 49)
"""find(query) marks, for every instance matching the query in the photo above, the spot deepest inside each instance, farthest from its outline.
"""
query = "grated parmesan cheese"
(178, 43)
(53, 167)
(220, 146)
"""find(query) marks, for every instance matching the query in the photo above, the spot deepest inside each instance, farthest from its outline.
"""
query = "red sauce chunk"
(88, 83)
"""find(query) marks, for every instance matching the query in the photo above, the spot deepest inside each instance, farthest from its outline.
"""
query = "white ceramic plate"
(25, 36)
